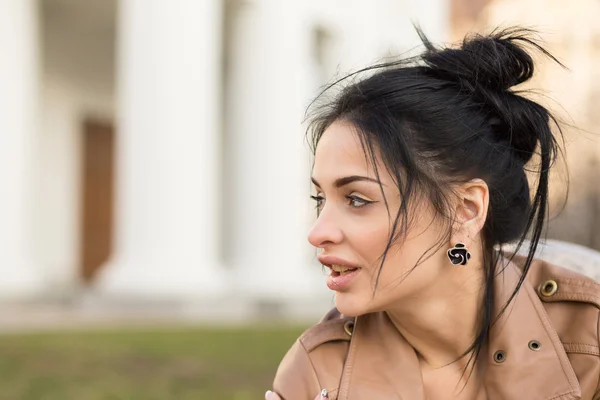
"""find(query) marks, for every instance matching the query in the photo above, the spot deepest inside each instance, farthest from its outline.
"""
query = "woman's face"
(354, 225)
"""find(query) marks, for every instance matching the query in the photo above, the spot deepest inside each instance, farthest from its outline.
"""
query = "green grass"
(223, 364)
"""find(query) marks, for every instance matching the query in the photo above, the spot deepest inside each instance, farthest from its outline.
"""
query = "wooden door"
(97, 185)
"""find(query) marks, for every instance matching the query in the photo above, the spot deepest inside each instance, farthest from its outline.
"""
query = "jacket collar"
(382, 364)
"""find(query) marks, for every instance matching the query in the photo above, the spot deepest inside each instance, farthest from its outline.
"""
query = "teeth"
(341, 269)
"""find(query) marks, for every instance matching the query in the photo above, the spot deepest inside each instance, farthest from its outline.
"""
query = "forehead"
(339, 149)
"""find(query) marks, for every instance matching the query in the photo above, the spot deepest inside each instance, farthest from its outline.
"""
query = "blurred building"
(153, 151)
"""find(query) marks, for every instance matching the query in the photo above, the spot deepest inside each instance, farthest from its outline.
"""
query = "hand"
(274, 396)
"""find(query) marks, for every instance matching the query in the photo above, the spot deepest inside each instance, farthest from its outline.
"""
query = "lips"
(342, 272)
(336, 264)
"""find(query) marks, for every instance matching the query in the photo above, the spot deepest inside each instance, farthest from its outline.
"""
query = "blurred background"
(154, 177)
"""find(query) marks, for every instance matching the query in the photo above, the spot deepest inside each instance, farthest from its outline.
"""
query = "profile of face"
(353, 226)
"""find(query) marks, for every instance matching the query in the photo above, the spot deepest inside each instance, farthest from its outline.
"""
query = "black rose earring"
(459, 255)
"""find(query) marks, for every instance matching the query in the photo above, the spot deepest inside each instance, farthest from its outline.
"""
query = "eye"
(357, 202)
(319, 200)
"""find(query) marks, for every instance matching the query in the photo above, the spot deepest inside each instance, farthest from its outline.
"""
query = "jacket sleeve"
(296, 378)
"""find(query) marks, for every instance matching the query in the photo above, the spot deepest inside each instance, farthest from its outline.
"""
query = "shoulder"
(554, 283)
(572, 302)
(316, 359)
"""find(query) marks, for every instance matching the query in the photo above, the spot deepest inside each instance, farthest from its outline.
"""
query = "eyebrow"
(338, 183)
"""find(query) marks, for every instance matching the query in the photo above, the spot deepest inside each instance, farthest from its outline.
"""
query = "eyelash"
(319, 200)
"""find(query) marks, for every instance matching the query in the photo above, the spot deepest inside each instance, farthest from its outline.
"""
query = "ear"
(471, 211)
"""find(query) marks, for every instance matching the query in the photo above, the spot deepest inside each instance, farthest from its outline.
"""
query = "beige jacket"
(545, 347)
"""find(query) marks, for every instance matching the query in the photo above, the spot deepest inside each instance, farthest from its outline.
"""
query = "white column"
(19, 275)
(269, 86)
(168, 151)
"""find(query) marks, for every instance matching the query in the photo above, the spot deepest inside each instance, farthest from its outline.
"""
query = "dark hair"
(450, 115)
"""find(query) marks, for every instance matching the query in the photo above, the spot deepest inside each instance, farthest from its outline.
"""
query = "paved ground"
(88, 312)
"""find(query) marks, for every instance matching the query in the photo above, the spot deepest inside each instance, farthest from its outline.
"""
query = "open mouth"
(338, 270)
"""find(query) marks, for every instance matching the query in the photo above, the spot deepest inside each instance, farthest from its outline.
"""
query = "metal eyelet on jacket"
(535, 345)
(500, 356)
(548, 288)
(349, 327)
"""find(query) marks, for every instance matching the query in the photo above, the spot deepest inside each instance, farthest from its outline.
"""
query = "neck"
(442, 322)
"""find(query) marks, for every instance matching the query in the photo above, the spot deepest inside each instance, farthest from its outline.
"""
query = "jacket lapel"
(382, 364)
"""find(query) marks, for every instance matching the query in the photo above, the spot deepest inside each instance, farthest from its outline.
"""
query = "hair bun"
(495, 62)
(486, 68)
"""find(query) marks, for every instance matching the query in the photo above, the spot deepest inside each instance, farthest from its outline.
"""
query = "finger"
(271, 396)
(323, 395)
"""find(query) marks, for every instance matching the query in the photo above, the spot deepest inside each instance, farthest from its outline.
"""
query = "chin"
(350, 305)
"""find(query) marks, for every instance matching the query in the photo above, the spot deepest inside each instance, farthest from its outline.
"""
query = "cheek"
(401, 276)
(400, 259)
(370, 241)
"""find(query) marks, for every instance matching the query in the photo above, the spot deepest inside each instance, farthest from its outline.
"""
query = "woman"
(422, 171)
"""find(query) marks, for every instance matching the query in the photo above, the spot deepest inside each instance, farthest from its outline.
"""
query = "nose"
(325, 232)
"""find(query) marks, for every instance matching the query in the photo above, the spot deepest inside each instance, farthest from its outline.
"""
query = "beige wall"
(572, 34)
